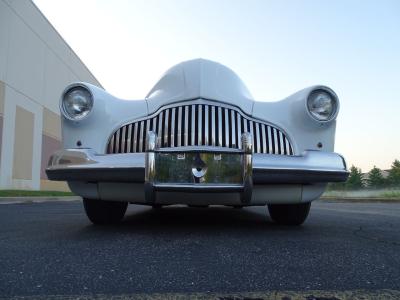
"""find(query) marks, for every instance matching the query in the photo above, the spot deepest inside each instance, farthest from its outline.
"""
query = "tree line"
(374, 180)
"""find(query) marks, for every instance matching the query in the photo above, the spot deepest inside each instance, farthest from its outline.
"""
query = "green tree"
(375, 178)
(336, 186)
(394, 174)
(355, 180)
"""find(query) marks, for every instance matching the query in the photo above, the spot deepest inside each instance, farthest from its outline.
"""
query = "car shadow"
(183, 220)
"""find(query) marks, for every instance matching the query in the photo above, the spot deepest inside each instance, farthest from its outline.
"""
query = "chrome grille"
(199, 124)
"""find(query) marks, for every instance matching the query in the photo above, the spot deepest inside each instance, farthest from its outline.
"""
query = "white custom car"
(198, 138)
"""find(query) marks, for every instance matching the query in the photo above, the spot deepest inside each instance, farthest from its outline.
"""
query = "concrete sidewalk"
(17, 200)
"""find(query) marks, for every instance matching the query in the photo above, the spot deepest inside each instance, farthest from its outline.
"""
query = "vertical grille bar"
(186, 132)
(213, 132)
(206, 132)
(111, 144)
(123, 131)
(117, 141)
(146, 129)
(287, 148)
(128, 148)
(173, 127)
(200, 125)
(227, 131)
(269, 136)
(252, 135)
(166, 135)
(239, 130)
(275, 141)
(159, 133)
(193, 127)
(219, 126)
(179, 132)
(257, 139)
(233, 131)
(141, 136)
(264, 138)
(154, 121)
(281, 144)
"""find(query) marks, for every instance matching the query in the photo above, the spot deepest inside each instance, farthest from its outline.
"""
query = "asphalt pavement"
(51, 248)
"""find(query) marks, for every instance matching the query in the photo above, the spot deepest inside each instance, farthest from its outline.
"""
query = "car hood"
(200, 78)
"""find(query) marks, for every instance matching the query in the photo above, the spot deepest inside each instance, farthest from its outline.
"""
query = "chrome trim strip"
(166, 129)
(173, 127)
(233, 131)
(193, 126)
(264, 138)
(258, 141)
(111, 144)
(186, 129)
(219, 126)
(206, 131)
(123, 129)
(270, 137)
(227, 131)
(213, 130)
(159, 132)
(239, 129)
(141, 136)
(179, 137)
(128, 149)
(117, 141)
(207, 149)
(252, 134)
(282, 146)
(274, 142)
(200, 125)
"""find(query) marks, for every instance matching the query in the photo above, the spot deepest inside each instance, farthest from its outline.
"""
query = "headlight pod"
(76, 103)
(322, 105)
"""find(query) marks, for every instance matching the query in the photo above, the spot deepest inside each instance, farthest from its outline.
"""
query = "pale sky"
(276, 47)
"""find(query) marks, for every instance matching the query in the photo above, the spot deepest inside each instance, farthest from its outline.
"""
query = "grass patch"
(391, 194)
(27, 193)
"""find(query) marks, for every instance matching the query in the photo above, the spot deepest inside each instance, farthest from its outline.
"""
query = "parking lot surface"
(51, 248)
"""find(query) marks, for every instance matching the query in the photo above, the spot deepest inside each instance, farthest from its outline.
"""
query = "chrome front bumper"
(88, 166)
(197, 169)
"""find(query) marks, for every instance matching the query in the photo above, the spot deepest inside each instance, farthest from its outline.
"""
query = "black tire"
(289, 214)
(104, 212)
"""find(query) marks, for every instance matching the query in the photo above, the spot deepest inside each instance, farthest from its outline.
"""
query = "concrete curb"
(271, 295)
(360, 200)
(18, 200)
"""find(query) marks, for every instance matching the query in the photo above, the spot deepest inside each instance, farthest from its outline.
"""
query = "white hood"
(200, 78)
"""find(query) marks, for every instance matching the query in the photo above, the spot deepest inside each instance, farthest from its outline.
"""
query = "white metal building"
(35, 66)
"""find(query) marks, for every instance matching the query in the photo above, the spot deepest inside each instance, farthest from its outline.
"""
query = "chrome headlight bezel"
(88, 96)
(334, 103)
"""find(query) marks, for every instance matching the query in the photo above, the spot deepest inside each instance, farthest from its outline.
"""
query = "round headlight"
(77, 103)
(322, 105)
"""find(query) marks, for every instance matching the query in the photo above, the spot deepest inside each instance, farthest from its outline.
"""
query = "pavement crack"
(361, 233)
